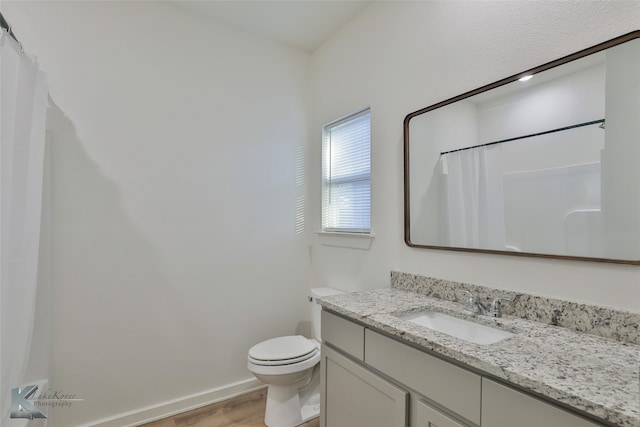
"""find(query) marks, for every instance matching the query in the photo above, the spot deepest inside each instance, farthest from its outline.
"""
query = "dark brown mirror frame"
(407, 220)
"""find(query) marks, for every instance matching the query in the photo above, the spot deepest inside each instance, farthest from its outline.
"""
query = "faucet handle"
(471, 297)
(496, 307)
(472, 301)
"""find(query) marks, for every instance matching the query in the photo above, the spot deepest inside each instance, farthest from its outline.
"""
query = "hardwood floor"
(246, 411)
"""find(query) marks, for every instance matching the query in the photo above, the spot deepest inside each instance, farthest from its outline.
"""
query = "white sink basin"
(459, 328)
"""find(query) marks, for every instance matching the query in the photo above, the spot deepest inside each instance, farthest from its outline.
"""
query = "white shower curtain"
(474, 194)
(23, 105)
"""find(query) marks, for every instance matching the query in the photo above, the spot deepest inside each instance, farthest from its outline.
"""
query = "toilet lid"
(283, 349)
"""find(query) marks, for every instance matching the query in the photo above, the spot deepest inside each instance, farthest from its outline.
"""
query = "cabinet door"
(428, 416)
(353, 396)
(503, 406)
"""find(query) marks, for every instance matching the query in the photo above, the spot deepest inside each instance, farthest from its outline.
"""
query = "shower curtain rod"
(528, 136)
(7, 27)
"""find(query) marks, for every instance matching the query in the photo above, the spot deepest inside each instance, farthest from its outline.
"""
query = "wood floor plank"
(166, 422)
(246, 410)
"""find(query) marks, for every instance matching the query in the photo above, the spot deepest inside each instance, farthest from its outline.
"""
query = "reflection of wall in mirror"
(544, 105)
(530, 163)
(554, 211)
(621, 157)
(604, 86)
(552, 182)
(439, 130)
(552, 192)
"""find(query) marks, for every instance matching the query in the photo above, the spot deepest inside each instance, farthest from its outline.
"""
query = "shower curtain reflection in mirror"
(473, 205)
(531, 195)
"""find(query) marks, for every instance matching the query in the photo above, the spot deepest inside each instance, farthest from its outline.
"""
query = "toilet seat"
(284, 369)
(283, 351)
(284, 361)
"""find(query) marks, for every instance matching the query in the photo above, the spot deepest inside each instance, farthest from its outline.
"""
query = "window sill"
(346, 240)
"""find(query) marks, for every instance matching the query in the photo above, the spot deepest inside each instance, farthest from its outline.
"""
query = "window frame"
(356, 177)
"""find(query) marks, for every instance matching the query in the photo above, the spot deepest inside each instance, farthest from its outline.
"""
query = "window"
(346, 176)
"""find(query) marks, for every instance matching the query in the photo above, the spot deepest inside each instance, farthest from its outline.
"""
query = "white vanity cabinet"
(428, 416)
(346, 335)
(503, 406)
(448, 386)
(352, 395)
(372, 380)
(356, 397)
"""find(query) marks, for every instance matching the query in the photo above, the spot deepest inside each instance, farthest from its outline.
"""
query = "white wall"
(169, 260)
(401, 56)
(173, 200)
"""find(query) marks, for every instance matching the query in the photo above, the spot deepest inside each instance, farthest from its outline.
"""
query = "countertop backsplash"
(600, 321)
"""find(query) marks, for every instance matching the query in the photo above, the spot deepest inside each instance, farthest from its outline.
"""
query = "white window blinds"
(346, 205)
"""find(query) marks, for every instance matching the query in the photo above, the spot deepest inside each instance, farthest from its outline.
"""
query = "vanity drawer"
(444, 383)
(503, 406)
(343, 334)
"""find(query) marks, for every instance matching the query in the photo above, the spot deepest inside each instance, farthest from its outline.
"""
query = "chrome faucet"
(475, 306)
(496, 308)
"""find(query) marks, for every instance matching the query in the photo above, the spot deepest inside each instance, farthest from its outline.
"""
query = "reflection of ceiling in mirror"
(542, 77)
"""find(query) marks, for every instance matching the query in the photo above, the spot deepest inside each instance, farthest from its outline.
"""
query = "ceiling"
(304, 24)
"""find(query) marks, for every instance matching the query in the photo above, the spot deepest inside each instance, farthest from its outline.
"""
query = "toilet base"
(311, 408)
(289, 406)
(284, 410)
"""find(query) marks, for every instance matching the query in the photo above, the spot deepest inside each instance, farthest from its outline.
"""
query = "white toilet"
(290, 367)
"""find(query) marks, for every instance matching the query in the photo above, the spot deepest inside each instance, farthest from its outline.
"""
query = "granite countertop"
(595, 375)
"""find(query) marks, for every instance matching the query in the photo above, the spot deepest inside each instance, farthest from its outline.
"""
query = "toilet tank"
(317, 308)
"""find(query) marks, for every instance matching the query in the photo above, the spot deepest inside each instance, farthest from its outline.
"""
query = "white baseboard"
(177, 406)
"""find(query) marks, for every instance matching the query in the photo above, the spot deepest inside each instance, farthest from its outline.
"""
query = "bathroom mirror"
(547, 165)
